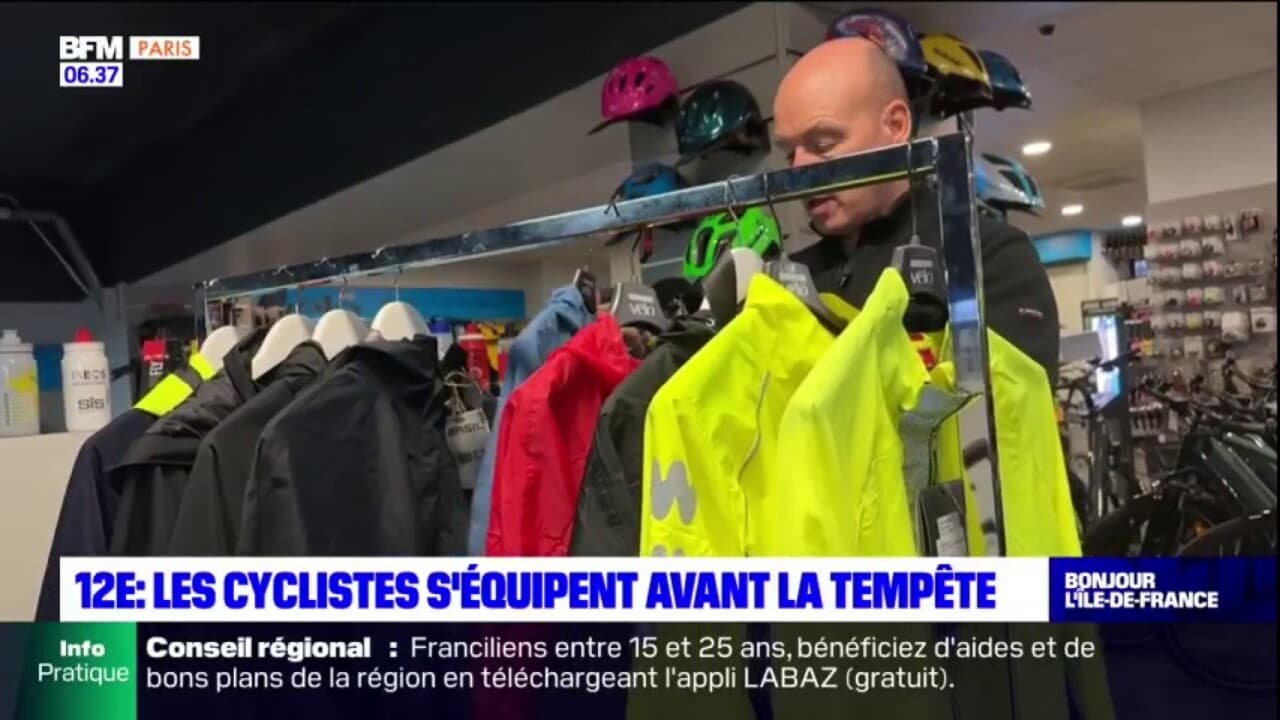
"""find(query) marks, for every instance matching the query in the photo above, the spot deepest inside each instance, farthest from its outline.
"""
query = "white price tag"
(467, 434)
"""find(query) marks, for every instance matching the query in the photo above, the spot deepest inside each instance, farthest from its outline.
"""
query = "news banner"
(165, 633)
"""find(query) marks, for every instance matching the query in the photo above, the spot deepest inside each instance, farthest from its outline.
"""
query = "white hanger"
(339, 329)
(285, 334)
(219, 342)
(399, 320)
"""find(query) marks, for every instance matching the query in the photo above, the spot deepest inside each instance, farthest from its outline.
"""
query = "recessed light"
(1072, 209)
(1131, 220)
(1039, 147)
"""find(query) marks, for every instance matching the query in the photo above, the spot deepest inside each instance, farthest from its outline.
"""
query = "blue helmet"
(649, 179)
(996, 190)
(895, 36)
(1021, 179)
(1007, 88)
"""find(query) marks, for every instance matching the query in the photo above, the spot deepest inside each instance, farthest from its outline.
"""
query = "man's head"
(843, 97)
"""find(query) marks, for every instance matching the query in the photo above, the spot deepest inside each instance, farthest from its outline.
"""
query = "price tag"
(467, 433)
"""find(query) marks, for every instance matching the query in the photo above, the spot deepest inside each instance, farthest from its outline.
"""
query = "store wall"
(1076, 282)
(1211, 139)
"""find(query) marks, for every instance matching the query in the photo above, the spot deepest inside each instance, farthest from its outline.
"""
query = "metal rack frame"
(948, 158)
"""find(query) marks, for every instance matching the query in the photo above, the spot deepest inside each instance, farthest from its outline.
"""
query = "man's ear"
(897, 120)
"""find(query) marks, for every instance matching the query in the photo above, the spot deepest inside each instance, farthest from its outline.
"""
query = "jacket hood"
(409, 364)
(601, 348)
(175, 438)
(567, 303)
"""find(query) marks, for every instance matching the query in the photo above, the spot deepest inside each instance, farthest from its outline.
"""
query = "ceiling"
(1088, 78)
(187, 155)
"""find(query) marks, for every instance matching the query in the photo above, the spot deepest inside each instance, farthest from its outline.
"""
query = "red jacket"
(546, 432)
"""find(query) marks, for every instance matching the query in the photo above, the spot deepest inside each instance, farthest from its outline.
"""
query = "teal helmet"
(720, 114)
(754, 229)
(1021, 179)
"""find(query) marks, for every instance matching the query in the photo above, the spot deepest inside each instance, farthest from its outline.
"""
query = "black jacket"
(1019, 301)
(608, 515)
(357, 464)
(208, 519)
(152, 476)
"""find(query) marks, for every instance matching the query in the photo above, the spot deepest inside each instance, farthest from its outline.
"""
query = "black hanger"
(636, 304)
(795, 277)
(585, 281)
(921, 269)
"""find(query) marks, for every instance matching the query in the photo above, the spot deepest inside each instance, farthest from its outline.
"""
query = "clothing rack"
(948, 158)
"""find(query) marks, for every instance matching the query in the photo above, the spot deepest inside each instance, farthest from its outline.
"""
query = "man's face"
(824, 113)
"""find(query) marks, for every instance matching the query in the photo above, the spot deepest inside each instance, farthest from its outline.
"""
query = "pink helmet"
(636, 87)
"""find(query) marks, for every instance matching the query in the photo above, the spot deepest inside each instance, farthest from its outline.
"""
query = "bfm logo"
(141, 47)
(82, 47)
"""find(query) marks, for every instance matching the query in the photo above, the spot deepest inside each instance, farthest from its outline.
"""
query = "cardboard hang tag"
(467, 434)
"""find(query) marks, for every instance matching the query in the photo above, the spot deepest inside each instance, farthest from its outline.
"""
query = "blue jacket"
(564, 315)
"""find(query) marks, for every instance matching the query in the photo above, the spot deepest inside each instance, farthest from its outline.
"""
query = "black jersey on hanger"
(358, 463)
(152, 476)
(209, 516)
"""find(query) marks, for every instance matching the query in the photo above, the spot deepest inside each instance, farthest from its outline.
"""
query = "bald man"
(847, 96)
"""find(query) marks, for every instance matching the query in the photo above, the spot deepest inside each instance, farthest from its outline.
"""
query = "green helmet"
(755, 230)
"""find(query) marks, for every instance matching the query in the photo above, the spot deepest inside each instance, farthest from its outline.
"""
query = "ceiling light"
(1131, 220)
(1039, 147)
(1075, 209)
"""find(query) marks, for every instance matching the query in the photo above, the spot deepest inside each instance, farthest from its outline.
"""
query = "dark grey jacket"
(357, 464)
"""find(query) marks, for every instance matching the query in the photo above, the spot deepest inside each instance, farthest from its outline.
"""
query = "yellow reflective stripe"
(175, 387)
(201, 366)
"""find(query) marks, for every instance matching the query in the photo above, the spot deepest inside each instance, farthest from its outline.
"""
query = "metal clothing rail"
(948, 158)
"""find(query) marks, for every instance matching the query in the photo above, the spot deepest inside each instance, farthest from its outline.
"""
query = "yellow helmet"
(962, 80)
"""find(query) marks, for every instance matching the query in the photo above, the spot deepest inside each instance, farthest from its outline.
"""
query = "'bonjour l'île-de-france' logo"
(673, 490)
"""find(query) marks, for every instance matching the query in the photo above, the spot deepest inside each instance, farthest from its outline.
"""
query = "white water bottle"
(86, 384)
(19, 391)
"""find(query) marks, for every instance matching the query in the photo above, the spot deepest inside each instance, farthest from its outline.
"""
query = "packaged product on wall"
(1235, 326)
(1153, 233)
(1263, 320)
(1158, 322)
(1170, 230)
(1191, 225)
(1174, 320)
(1150, 252)
(1212, 245)
(1250, 220)
(1258, 293)
(1189, 248)
(1211, 223)
(1192, 271)
(1230, 227)
(1214, 295)
(86, 383)
(1194, 320)
(1212, 268)
(1169, 251)
(1175, 298)
(19, 387)
(1212, 319)
(1193, 346)
(1240, 295)
(1195, 297)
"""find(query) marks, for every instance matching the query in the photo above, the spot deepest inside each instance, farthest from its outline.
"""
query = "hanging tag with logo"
(466, 429)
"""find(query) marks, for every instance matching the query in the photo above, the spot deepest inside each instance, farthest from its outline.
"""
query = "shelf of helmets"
(1212, 286)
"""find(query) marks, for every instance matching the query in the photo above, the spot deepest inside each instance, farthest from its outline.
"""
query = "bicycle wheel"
(1242, 537)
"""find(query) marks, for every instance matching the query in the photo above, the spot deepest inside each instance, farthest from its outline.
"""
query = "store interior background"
(1158, 110)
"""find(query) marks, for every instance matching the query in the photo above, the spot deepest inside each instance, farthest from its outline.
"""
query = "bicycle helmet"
(720, 114)
(754, 229)
(961, 80)
(997, 190)
(636, 89)
(649, 179)
(1018, 175)
(895, 36)
(1007, 88)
